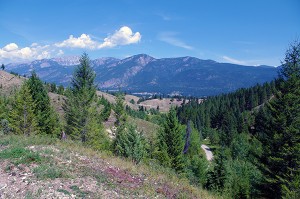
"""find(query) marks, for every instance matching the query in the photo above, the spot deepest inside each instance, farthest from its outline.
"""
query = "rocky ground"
(68, 171)
(76, 177)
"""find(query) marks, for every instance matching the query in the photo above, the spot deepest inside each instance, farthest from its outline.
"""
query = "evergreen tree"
(241, 179)
(171, 142)
(216, 176)
(96, 137)
(196, 163)
(105, 112)
(53, 88)
(161, 151)
(22, 119)
(47, 119)
(60, 90)
(80, 99)
(4, 102)
(278, 128)
(120, 110)
(291, 65)
(129, 143)
(2, 67)
(4, 126)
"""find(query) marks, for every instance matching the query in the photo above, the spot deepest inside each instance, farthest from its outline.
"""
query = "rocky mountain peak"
(67, 60)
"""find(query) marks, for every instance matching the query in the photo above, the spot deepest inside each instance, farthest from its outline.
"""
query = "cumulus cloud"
(10, 47)
(169, 37)
(84, 41)
(13, 53)
(123, 36)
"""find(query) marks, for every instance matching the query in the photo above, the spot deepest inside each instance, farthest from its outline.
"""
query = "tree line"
(256, 135)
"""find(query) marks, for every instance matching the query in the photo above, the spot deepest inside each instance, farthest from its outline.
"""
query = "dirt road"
(208, 153)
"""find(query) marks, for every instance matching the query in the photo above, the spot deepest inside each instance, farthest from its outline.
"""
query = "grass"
(46, 171)
(149, 129)
(153, 172)
(24, 141)
(29, 158)
(29, 195)
(50, 153)
(78, 192)
(4, 142)
(13, 153)
(19, 155)
(64, 191)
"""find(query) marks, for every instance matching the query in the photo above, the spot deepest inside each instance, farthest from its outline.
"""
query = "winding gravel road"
(208, 153)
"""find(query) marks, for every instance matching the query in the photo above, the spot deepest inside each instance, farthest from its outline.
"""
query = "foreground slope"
(40, 167)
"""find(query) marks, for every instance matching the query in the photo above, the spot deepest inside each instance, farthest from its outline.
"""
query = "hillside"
(143, 73)
(9, 82)
(41, 167)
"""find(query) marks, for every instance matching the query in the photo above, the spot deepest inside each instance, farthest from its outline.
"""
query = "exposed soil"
(84, 177)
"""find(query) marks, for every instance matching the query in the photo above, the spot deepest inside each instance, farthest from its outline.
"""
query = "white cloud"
(10, 47)
(169, 37)
(123, 36)
(12, 53)
(234, 61)
(247, 62)
(84, 41)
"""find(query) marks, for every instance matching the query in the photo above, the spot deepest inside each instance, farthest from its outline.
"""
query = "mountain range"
(143, 73)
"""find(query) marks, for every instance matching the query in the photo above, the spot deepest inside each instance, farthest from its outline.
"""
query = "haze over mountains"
(143, 73)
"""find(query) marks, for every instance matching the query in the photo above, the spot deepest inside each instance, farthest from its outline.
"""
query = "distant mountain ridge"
(143, 73)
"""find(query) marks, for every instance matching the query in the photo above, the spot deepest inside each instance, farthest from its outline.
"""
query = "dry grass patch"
(70, 170)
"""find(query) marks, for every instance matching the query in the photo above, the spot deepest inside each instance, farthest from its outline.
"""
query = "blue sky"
(248, 32)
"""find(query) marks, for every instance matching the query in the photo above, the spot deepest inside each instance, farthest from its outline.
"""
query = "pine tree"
(22, 119)
(216, 177)
(195, 161)
(60, 90)
(4, 102)
(96, 137)
(119, 109)
(171, 142)
(129, 143)
(80, 99)
(105, 112)
(278, 128)
(4, 126)
(47, 119)
(161, 150)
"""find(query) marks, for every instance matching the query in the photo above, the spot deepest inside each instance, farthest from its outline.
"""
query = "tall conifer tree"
(22, 119)
(80, 105)
(278, 128)
(46, 117)
(171, 143)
